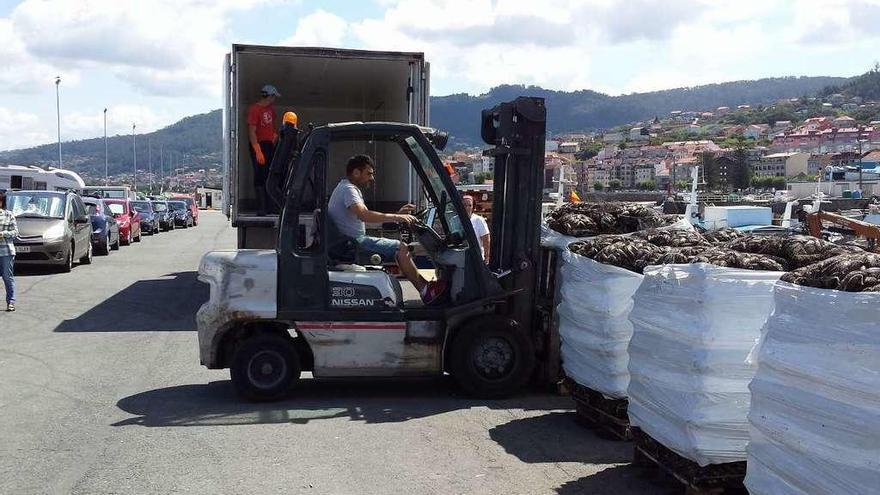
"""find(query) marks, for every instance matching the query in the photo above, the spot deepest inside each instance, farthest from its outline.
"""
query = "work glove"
(261, 160)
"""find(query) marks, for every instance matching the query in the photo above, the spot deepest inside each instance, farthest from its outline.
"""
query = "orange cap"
(290, 118)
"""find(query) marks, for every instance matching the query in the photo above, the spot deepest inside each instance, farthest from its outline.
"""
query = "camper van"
(34, 178)
(110, 192)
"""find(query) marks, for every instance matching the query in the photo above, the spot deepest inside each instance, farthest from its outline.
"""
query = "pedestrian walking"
(8, 233)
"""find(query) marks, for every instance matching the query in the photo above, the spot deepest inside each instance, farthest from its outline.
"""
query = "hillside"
(865, 86)
(195, 142)
(192, 142)
(582, 110)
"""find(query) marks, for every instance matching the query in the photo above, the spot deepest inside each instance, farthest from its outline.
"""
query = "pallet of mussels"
(595, 409)
(725, 478)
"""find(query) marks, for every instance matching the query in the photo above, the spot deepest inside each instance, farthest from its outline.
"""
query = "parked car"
(182, 214)
(163, 214)
(54, 228)
(149, 222)
(128, 218)
(105, 230)
(191, 205)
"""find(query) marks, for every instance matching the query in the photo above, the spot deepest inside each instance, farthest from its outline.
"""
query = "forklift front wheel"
(491, 361)
(264, 367)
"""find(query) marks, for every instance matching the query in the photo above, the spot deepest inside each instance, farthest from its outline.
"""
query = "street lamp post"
(135, 155)
(150, 161)
(860, 163)
(106, 160)
(58, 114)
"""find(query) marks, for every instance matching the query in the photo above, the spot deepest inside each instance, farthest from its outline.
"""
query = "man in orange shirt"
(262, 135)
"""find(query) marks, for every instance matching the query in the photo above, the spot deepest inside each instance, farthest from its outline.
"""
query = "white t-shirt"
(346, 222)
(481, 228)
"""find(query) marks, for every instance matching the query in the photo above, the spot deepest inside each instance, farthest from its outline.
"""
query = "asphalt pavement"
(101, 391)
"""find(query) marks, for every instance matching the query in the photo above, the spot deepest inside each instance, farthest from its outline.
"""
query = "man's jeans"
(6, 265)
(386, 248)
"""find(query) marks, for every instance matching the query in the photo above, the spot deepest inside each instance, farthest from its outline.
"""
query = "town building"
(782, 165)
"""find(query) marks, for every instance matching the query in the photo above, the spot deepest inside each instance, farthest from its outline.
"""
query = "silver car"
(54, 228)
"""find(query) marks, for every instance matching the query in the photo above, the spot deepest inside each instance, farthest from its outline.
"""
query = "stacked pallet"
(816, 394)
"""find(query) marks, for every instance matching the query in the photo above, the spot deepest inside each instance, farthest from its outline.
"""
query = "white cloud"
(22, 73)
(159, 47)
(21, 129)
(88, 124)
(320, 28)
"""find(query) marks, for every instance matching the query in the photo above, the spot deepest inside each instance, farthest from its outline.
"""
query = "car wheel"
(491, 359)
(68, 261)
(264, 367)
(87, 259)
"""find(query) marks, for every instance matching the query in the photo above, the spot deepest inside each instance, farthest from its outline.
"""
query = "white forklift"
(313, 305)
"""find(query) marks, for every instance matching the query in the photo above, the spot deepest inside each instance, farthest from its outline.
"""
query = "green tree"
(598, 186)
(647, 185)
(778, 183)
(711, 171)
(682, 185)
(740, 173)
(614, 184)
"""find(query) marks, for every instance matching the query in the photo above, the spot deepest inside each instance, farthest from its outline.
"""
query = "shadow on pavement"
(371, 401)
(557, 437)
(621, 480)
(165, 304)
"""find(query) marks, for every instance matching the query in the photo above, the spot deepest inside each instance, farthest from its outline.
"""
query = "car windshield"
(116, 208)
(436, 187)
(36, 204)
(159, 207)
(178, 205)
(142, 206)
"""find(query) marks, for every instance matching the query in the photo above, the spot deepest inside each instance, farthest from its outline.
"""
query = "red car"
(128, 218)
(190, 203)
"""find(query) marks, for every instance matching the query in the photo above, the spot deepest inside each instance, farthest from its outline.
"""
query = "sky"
(151, 63)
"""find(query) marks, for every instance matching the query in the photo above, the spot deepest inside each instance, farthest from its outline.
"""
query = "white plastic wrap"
(693, 327)
(594, 325)
(815, 416)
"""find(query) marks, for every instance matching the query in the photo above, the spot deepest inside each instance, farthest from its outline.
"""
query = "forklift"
(313, 305)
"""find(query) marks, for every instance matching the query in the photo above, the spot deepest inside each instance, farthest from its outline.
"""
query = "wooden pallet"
(594, 409)
(714, 479)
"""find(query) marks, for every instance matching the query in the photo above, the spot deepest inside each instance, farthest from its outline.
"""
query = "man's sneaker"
(10, 307)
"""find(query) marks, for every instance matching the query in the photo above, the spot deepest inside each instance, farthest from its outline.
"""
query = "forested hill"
(195, 142)
(582, 110)
(192, 142)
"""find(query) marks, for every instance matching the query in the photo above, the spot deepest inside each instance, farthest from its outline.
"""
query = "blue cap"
(269, 90)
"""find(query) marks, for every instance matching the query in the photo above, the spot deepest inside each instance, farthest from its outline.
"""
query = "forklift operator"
(348, 212)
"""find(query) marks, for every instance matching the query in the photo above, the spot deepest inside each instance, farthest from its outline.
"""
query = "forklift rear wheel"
(264, 367)
(491, 361)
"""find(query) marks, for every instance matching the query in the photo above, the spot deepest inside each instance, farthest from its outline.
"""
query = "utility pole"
(161, 168)
(106, 158)
(150, 161)
(58, 114)
(135, 154)
(860, 140)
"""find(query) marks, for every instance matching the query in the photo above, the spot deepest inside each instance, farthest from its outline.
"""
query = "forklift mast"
(517, 130)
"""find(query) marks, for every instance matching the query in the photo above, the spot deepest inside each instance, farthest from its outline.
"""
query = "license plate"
(22, 249)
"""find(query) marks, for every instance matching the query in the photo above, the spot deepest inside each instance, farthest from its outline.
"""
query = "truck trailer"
(321, 85)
